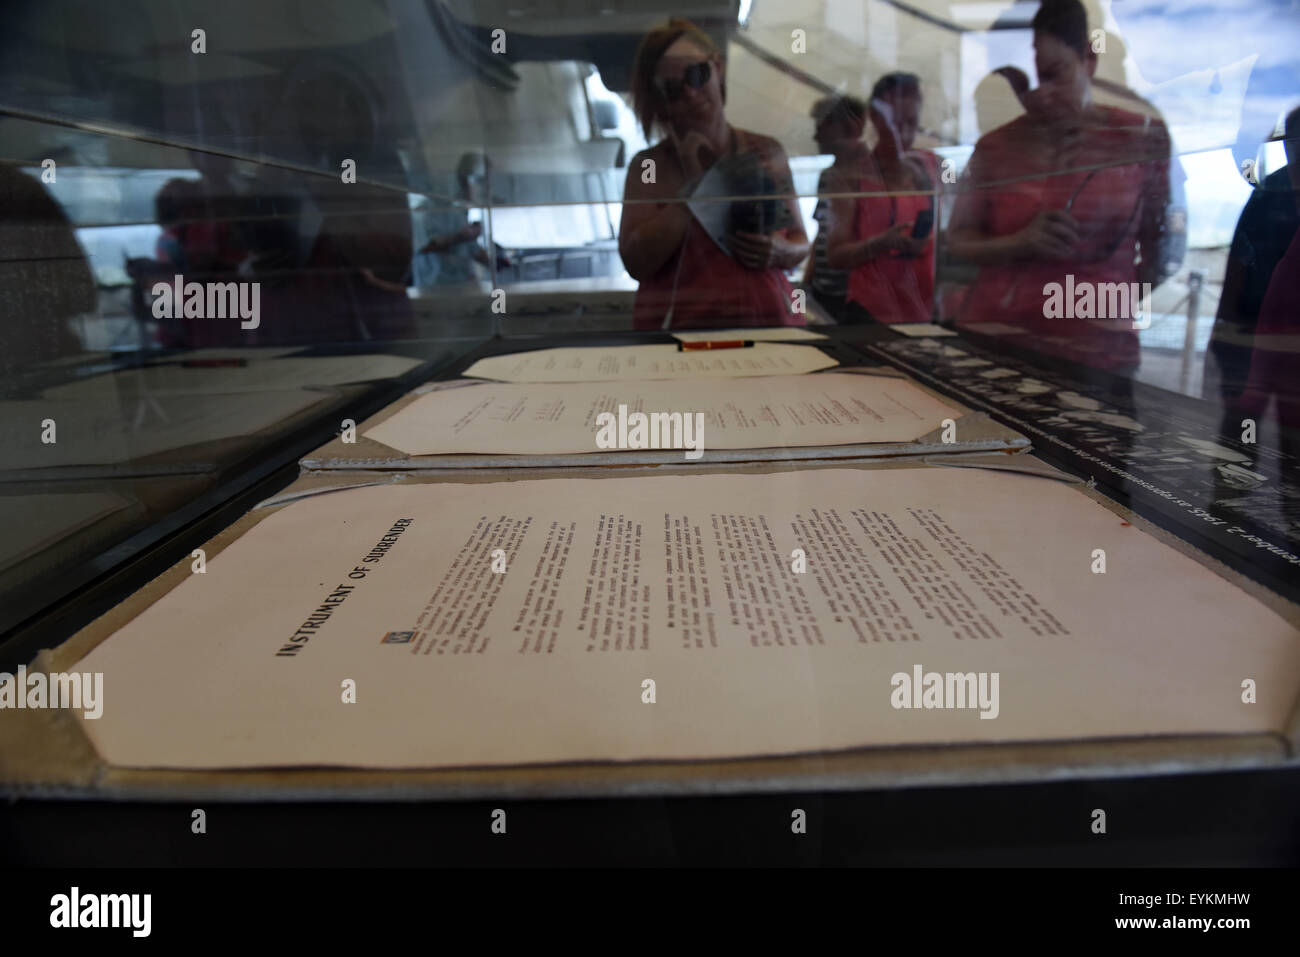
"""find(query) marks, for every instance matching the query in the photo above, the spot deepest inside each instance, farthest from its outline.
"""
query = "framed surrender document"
(684, 617)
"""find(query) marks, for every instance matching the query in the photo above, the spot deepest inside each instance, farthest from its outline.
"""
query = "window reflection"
(1104, 191)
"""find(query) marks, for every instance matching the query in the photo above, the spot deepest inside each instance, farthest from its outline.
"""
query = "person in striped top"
(840, 121)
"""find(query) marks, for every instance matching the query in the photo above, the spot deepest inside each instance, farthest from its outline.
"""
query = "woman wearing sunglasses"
(687, 279)
(1071, 193)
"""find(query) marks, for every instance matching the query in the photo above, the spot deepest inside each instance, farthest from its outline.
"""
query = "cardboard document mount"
(975, 431)
(44, 753)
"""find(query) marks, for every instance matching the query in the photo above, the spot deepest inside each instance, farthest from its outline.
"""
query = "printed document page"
(750, 413)
(683, 617)
(613, 363)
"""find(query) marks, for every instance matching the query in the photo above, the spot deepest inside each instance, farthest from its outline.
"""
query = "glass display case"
(232, 236)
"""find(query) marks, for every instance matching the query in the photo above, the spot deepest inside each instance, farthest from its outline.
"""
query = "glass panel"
(223, 226)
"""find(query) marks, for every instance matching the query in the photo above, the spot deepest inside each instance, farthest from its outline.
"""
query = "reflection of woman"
(686, 279)
(1069, 189)
(876, 235)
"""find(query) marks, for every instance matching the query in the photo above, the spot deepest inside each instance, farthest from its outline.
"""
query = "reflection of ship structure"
(1213, 449)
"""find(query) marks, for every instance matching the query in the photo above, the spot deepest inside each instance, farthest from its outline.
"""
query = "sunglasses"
(694, 76)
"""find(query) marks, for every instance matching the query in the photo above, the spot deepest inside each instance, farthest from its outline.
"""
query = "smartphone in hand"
(924, 223)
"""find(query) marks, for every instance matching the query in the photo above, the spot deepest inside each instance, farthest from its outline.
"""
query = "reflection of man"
(1268, 222)
(1275, 363)
(331, 256)
(44, 276)
(212, 239)
(450, 252)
